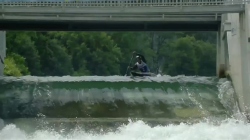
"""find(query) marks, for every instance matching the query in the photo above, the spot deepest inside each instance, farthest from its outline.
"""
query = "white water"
(227, 130)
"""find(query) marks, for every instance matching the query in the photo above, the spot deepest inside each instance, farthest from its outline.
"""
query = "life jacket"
(143, 67)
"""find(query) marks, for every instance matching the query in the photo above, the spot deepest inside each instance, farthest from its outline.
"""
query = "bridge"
(230, 18)
(116, 15)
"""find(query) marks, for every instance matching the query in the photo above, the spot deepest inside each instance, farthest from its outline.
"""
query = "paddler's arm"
(134, 67)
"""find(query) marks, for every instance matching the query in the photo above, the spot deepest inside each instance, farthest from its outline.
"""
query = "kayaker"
(141, 63)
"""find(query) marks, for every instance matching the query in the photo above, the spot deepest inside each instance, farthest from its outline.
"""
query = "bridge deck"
(119, 15)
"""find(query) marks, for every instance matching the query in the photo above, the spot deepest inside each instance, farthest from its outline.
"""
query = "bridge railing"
(118, 3)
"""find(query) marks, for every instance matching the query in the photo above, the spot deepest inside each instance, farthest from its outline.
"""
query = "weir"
(103, 107)
(180, 97)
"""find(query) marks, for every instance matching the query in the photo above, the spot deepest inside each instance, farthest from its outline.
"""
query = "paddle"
(129, 64)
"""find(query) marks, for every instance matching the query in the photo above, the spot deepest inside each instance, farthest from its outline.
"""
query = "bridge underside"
(122, 16)
(109, 26)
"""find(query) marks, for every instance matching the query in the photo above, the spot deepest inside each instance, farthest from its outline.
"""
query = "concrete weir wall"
(2, 50)
(234, 57)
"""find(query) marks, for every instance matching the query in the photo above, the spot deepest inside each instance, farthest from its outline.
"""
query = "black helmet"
(138, 57)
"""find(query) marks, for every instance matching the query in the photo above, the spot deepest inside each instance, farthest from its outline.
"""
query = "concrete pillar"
(218, 54)
(245, 55)
(227, 64)
(234, 50)
(221, 50)
(2, 50)
(239, 57)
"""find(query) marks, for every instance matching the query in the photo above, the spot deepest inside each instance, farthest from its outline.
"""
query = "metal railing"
(118, 3)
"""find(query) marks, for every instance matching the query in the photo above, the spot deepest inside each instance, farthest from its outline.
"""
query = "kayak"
(140, 74)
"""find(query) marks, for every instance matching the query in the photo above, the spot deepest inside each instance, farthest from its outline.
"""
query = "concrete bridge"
(230, 18)
(118, 15)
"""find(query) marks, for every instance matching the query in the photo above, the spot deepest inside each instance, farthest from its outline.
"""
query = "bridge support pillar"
(222, 48)
(238, 40)
(2, 51)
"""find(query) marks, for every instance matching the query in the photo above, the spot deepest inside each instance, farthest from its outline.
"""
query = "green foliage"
(92, 53)
(20, 63)
(55, 60)
(100, 53)
(189, 56)
(181, 60)
(15, 65)
(11, 68)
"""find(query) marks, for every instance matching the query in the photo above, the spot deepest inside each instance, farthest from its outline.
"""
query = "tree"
(182, 58)
(21, 43)
(104, 55)
(100, 53)
(10, 68)
(92, 53)
(188, 56)
(54, 58)
(19, 63)
(206, 58)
